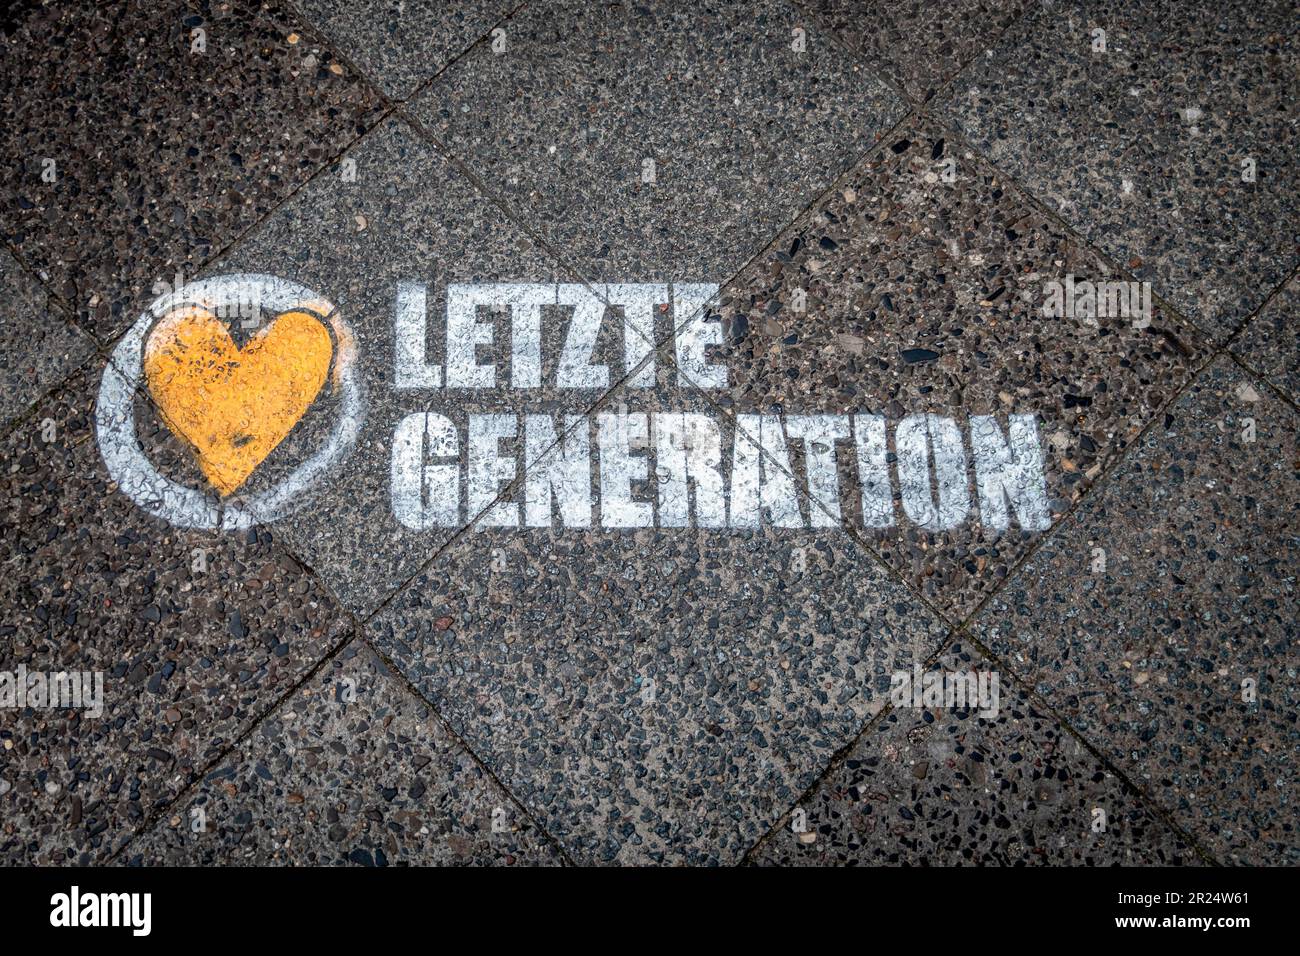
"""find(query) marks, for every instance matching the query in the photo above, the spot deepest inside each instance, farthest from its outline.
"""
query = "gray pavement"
(697, 376)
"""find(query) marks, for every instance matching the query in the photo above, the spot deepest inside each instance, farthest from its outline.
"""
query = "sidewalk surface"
(858, 208)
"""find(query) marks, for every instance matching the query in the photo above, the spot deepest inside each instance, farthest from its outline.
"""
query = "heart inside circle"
(234, 405)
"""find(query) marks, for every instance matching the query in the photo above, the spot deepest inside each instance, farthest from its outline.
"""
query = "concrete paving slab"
(190, 637)
(654, 693)
(918, 46)
(1271, 342)
(141, 138)
(38, 347)
(403, 45)
(936, 786)
(402, 250)
(1182, 109)
(903, 294)
(352, 770)
(1161, 620)
(647, 386)
(646, 140)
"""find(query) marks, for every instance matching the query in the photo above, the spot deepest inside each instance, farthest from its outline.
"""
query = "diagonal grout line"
(399, 675)
(400, 109)
(359, 630)
(1092, 490)
(423, 86)
(1067, 518)
(870, 59)
(468, 528)
(384, 116)
(871, 554)
(839, 757)
(354, 631)
(906, 118)
(1031, 10)
(362, 631)
(153, 819)
(1144, 797)
(868, 546)
(392, 107)
(23, 417)
(56, 303)
(1231, 341)
(958, 636)
(1278, 390)
(906, 121)
(544, 241)
(555, 255)
(111, 343)
(833, 37)
(920, 111)
(322, 39)
(877, 65)
(327, 41)
(103, 347)
(506, 492)
(860, 540)
(387, 108)
(44, 285)
(510, 489)
(1103, 479)
(919, 117)
(1031, 199)
(1211, 336)
(565, 266)
(360, 625)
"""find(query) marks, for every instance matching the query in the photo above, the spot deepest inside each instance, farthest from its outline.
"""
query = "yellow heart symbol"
(233, 405)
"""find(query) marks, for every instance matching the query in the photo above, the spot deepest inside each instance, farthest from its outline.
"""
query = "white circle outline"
(185, 507)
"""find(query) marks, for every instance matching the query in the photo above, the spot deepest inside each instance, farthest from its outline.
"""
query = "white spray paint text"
(671, 469)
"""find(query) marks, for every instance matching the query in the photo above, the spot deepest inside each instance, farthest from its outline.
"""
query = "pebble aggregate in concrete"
(1141, 147)
(656, 695)
(353, 769)
(901, 293)
(161, 154)
(947, 787)
(196, 636)
(1142, 621)
(403, 45)
(658, 140)
(919, 46)
(129, 155)
(1270, 344)
(408, 217)
(38, 349)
